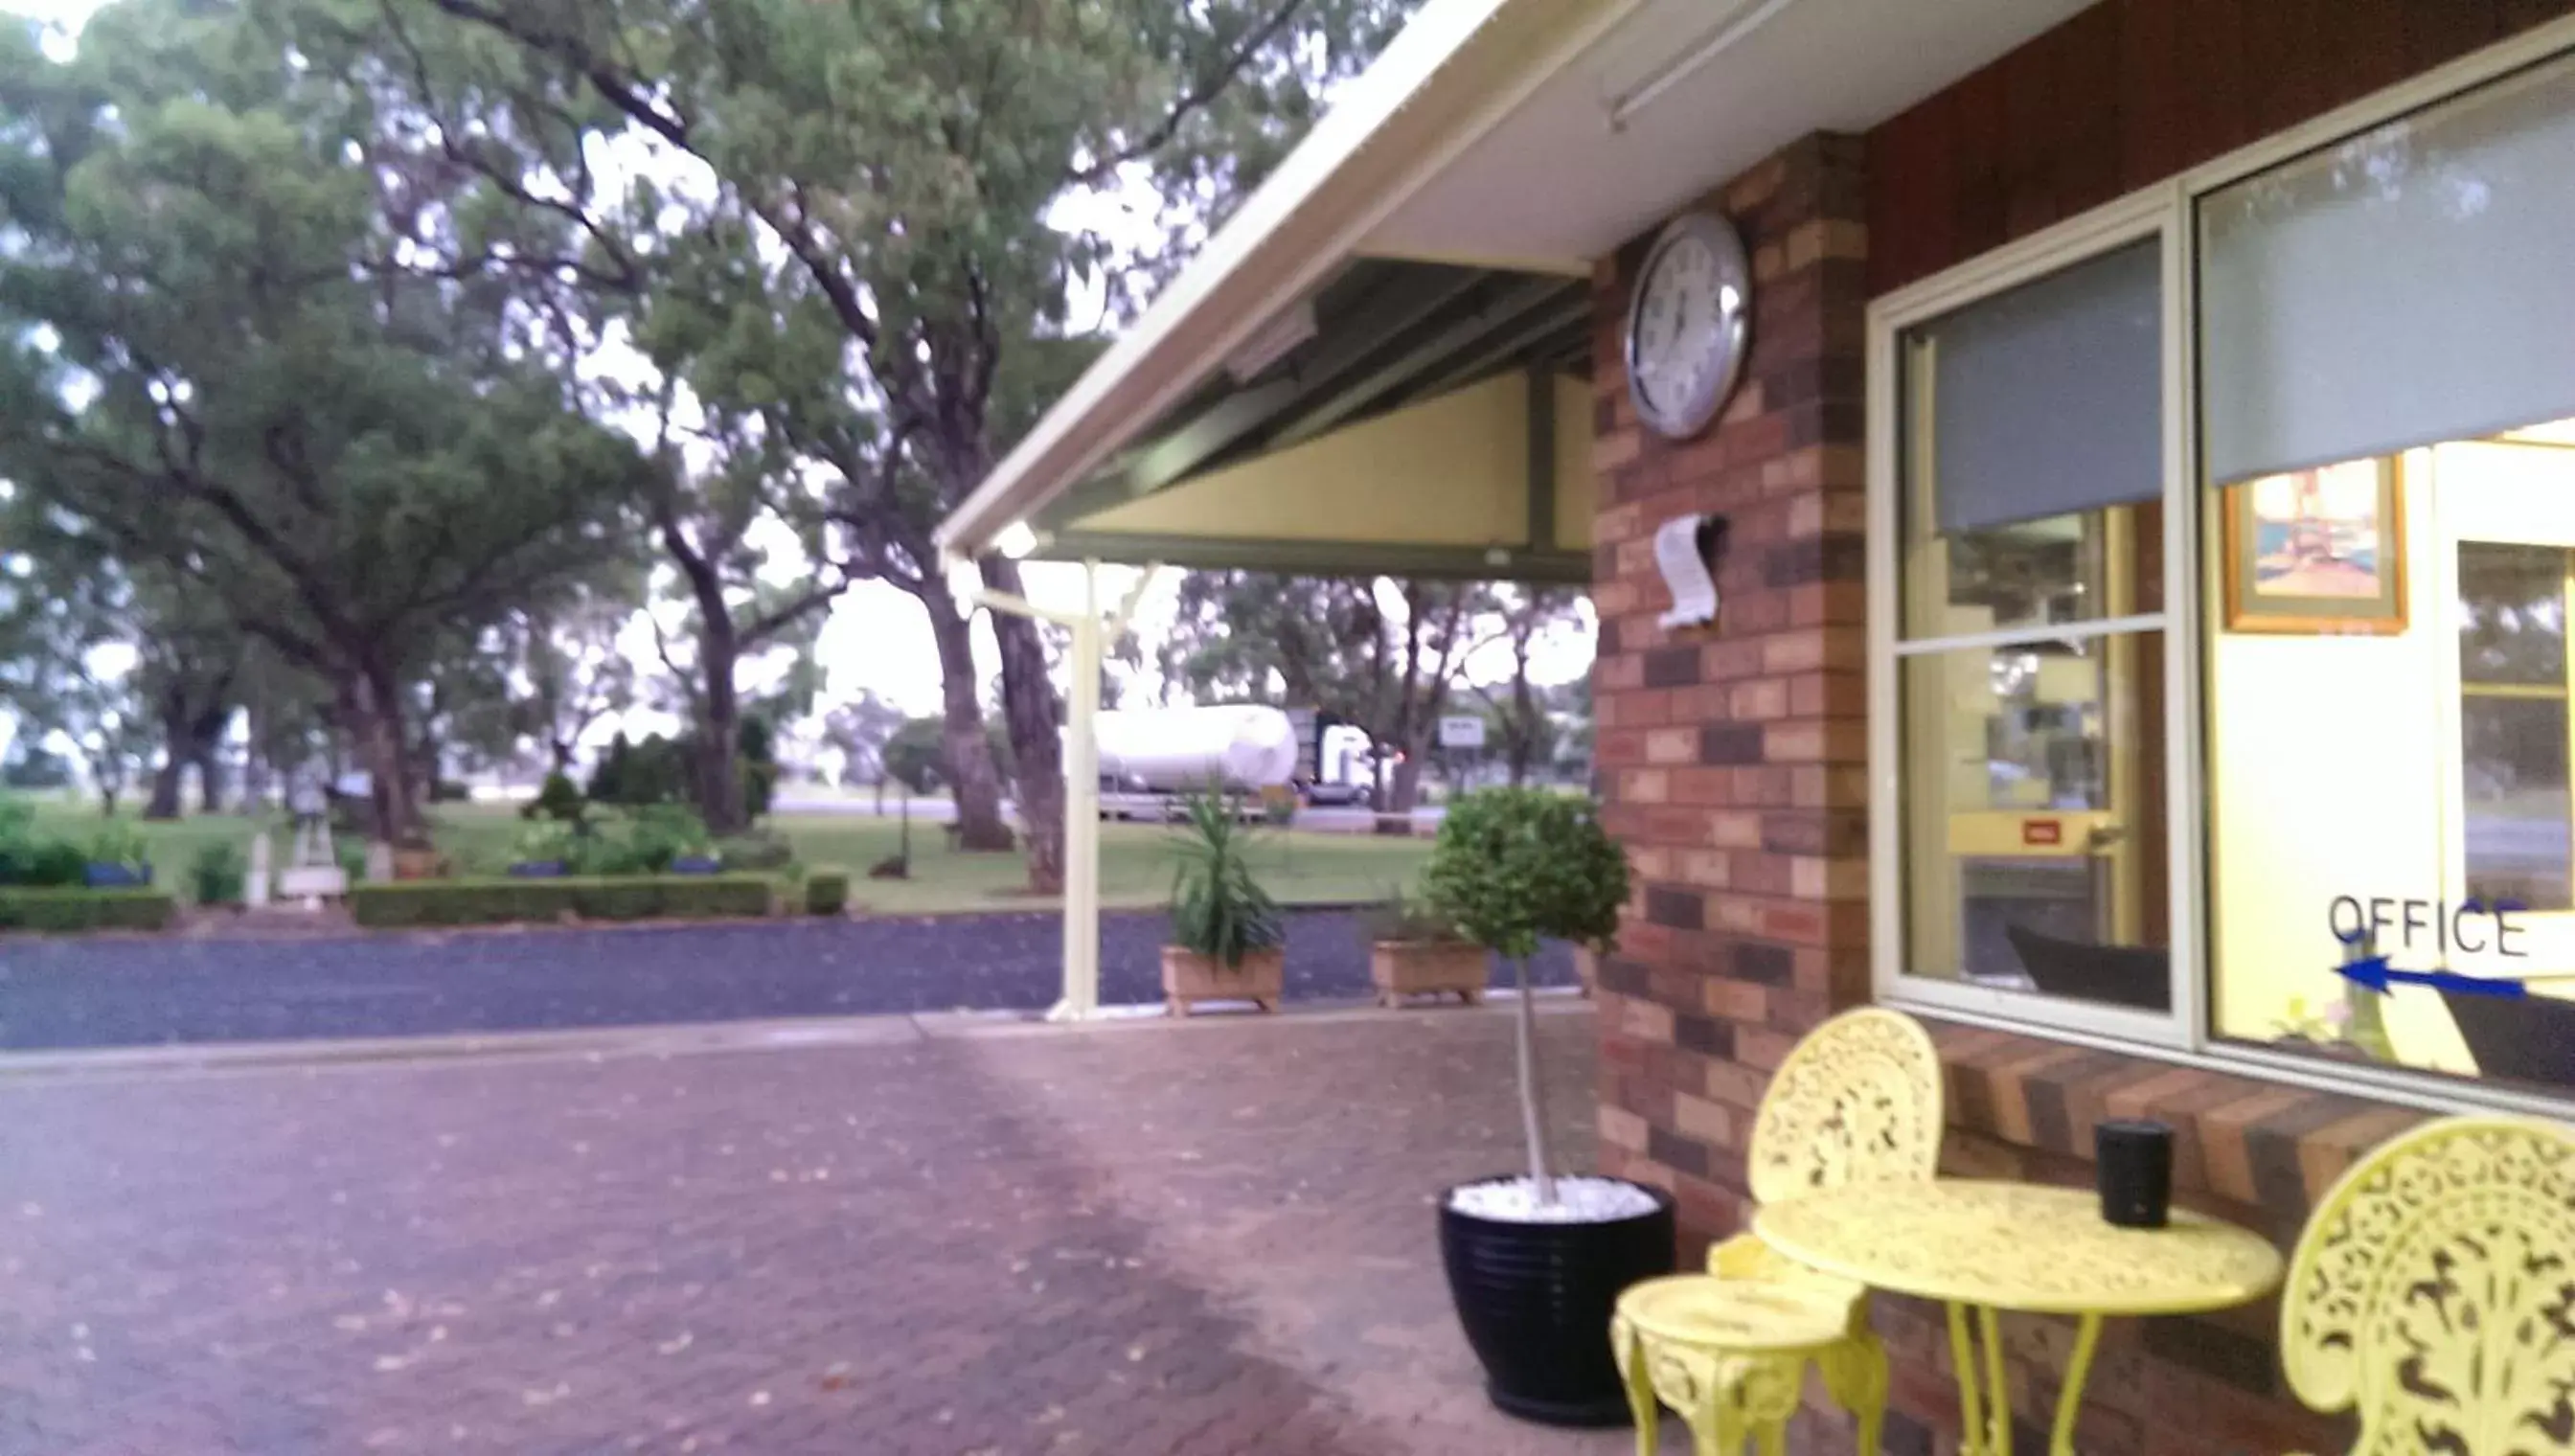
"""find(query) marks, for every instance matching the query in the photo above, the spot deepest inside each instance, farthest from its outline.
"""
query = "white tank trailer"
(1175, 749)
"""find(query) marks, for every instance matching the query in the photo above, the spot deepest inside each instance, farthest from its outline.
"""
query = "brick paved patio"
(1202, 1239)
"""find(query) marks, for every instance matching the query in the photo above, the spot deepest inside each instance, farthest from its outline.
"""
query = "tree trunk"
(1522, 743)
(1405, 791)
(973, 780)
(175, 745)
(1033, 715)
(256, 771)
(719, 776)
(166, 784)
(375, 716)
(210, 777)
(1533, 1095)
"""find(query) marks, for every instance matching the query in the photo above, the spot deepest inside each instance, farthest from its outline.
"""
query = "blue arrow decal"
(2374, 972)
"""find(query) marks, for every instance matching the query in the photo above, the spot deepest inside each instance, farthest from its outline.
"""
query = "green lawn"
(1134, 859)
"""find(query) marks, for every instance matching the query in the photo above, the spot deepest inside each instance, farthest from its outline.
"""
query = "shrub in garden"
(484, 901)
(560, 800)
(755, 850)
(63, 908)
(546, 842)
(119, 842)
(30, 859)
(827, 892)
(217, 874)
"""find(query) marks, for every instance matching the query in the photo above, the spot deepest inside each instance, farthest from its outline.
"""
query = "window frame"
(2166, 210)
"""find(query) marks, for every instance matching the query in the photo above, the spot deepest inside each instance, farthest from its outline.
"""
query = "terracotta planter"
(419, 864)
(1428, 969)
(1189, 977)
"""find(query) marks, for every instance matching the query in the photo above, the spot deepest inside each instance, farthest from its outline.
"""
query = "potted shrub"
(1535, 1261)
(1227, 935)
(118, 858)
(1414, 950)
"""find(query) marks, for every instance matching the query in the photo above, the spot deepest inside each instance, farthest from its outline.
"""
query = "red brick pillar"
(1733, 758)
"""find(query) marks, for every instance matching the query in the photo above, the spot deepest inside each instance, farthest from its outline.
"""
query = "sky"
(876, 638)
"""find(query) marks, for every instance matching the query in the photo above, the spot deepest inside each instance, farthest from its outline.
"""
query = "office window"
(2387, 362)
(2030, 647)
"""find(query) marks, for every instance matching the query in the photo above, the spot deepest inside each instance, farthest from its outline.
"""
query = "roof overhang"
(1498, 147)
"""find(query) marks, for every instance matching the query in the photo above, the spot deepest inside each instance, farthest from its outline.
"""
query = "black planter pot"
(1535, 1300)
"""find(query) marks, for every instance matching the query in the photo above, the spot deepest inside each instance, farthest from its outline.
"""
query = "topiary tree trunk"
(1542, 1155)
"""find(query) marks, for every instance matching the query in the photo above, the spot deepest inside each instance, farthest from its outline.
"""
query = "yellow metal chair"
(2435, 1291)
(1858, 1101)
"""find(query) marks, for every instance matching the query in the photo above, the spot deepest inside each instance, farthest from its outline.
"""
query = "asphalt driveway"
(141, 992)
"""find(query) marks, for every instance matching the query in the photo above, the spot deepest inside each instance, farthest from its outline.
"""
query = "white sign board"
(1460, 731)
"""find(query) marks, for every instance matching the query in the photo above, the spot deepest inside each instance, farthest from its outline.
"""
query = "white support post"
(1081, 813)
(1079, 1000)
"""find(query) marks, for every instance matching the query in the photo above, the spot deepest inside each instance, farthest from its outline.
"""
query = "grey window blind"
(2411, 284)
(2048, 399)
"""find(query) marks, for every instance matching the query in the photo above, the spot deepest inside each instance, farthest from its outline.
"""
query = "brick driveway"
(1202, 1239)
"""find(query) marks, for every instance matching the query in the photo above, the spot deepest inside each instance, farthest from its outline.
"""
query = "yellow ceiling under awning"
(1475, 483)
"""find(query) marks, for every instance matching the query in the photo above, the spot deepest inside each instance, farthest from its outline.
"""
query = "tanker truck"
(1150, 759)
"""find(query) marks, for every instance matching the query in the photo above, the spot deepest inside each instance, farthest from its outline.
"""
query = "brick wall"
(1734, 767)
(1733, 761)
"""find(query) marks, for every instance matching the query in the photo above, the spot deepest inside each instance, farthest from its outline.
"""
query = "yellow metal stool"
(2433, 1290)
(1732, 1365)
(1858, 1101)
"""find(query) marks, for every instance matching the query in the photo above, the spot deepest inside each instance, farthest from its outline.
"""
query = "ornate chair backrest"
(2434, 1289)
(1858, 1101)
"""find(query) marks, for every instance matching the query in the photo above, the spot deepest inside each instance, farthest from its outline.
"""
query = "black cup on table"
(2135, 1161)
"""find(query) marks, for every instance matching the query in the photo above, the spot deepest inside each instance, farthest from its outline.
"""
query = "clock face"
(1687, 327)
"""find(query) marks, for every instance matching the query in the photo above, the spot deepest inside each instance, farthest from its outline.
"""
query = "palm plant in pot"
(1227, 935)
(1536, 1260)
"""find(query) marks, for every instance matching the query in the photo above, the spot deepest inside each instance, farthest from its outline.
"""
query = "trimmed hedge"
(74, 908)
(492, 901)
(827, 892)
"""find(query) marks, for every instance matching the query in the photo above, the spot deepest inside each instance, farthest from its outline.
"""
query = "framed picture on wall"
(2317, 550)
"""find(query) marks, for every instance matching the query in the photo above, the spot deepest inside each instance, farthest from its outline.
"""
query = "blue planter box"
(117, 876)
(696, 864)
(537, 869)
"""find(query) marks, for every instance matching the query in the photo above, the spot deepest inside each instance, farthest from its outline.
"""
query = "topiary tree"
(1513, 867)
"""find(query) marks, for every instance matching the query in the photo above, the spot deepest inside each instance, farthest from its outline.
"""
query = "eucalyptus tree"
(212, 352)
(843, 220)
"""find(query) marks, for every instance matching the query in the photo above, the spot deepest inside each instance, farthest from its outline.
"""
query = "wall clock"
(1689, 325)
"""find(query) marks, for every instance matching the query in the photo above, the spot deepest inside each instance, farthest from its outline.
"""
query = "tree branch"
(1200, 95)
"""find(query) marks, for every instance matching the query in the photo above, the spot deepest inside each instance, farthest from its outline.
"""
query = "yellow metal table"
(1981, 1247)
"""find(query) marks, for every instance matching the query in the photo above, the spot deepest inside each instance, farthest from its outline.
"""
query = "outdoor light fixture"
(1623, 109)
